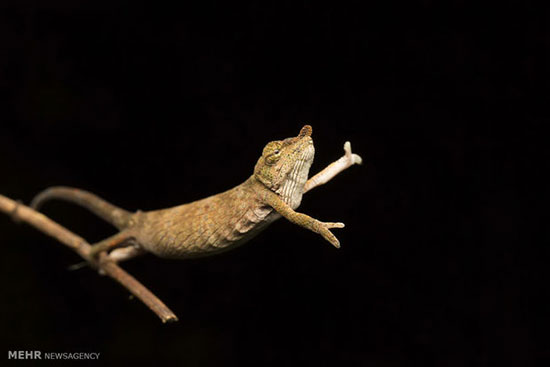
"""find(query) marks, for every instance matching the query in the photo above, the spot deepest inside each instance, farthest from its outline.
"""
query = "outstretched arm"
(303, 220)
(334, 168)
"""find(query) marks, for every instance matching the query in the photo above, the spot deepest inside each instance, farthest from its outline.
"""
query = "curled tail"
(118, 217)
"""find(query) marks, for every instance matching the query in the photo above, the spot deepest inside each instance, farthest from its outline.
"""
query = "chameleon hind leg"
(126, 253)
(109, 243)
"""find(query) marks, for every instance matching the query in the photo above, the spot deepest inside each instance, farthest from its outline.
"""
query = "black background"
(441, 263)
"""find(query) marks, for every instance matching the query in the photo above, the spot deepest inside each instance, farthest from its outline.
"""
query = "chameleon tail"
(118, 217)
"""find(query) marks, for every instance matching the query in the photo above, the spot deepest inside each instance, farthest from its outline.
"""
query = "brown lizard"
(223, 221)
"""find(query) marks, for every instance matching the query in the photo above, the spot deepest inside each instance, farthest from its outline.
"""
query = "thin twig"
(327, 174)
(81, 247)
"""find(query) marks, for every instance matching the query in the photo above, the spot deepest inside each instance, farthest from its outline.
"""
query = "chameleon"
(220, 222)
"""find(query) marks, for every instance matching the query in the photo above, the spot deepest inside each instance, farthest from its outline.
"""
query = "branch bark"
(82, 248)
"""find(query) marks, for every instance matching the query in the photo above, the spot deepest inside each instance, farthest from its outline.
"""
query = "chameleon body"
(217, 223)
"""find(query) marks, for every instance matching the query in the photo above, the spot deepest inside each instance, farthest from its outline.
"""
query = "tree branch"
(81, 247)
(327, 174)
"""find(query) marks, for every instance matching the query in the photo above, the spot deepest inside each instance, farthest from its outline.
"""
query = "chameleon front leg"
(334, 168)
(303, 220)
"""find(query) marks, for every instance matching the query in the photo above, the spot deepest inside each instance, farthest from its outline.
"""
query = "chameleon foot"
(108, 243)
(323, 229)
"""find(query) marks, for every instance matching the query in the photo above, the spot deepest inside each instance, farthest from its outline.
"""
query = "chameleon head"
(284, 166)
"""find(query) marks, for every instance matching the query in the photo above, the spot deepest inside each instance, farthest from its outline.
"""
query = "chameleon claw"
(331, 238)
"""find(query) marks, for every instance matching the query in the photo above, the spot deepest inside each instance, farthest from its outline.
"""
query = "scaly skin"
(220, 222)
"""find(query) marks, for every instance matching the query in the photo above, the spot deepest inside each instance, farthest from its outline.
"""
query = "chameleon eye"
(272, 158)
